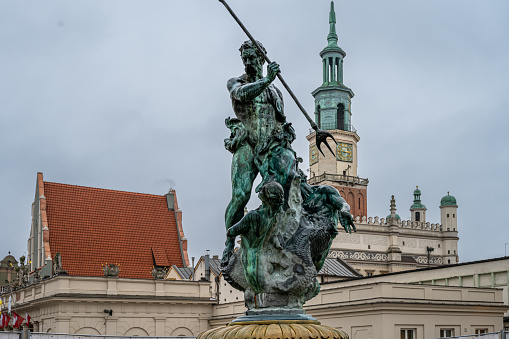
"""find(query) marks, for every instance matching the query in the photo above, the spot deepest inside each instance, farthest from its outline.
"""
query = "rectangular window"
(481, 330)
(408, 333)
(446, 332)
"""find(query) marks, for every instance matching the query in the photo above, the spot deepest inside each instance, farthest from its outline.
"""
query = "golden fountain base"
(274, 329)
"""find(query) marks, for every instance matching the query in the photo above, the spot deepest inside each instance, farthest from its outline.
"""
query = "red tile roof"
(92, 226)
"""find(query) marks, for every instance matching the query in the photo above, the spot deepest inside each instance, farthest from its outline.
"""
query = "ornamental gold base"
(274, 329)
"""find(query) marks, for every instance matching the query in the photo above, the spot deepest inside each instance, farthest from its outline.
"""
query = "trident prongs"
(321, 138)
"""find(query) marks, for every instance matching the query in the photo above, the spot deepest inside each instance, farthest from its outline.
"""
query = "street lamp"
(429, 249)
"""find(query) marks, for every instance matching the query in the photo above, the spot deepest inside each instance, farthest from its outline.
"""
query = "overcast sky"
(131, 95)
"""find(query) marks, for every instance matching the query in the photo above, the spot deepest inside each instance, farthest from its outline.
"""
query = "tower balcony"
(343, 178)
(348, 128)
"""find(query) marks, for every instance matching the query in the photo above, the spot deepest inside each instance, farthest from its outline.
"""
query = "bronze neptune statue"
(285, 241)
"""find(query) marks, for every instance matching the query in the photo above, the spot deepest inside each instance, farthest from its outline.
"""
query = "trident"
(321, 136)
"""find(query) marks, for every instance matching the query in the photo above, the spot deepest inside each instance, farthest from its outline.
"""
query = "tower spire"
(332, 38)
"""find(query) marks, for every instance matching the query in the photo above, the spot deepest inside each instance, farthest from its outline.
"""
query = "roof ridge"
(103, 189)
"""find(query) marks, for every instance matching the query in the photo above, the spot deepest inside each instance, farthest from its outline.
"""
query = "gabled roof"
(336, 267)
(184, 272)
(90, 227)
(215, 266)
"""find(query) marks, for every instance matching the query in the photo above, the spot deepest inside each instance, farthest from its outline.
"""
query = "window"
(448, 251)
(481, 330)
(454, 215)
(369, 274)
(319, 115)
(447, 215)
(403, 243)
(417, 216)
(408, 333)
(448, 261)
(369, 247)
(446, 332)
(438, 245)
(340, 118)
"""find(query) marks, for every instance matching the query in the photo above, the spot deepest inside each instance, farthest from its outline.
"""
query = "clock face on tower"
(344, 152)
(313, 155)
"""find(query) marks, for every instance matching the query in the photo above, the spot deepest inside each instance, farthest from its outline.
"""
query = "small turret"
(448, 214)
(418, 209)
(448, 209)
(393, 252)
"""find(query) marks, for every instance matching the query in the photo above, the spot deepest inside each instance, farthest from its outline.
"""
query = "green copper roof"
(397, 217)
(448, 200)
(332, 37)
(417, 205)
(417, 199)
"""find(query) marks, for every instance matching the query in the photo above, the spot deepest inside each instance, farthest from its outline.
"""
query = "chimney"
(170, 199)
(207, 266)
(215, 257)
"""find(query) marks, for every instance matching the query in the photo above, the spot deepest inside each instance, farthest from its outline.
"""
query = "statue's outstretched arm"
(249, 91)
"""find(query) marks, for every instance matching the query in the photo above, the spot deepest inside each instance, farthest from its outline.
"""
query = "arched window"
(342, 194)
(360, 206)
(350, 199)
(341, 117)
(417, 216)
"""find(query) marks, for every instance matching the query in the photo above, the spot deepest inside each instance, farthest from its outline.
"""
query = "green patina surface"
(448, 200)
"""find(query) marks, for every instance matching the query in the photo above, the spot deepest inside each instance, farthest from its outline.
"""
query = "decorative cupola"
(393, 217)
(333, 98)
(418, 209)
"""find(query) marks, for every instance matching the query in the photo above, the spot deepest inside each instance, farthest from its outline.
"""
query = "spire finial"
(332, 38)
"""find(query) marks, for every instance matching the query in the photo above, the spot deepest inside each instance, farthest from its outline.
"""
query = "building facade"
(139, 307)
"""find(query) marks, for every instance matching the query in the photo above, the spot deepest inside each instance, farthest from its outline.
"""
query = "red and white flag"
(5, 320)
(17, 320)
(27, 319)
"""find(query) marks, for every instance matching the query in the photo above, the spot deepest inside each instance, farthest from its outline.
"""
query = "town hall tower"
(333, 113)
